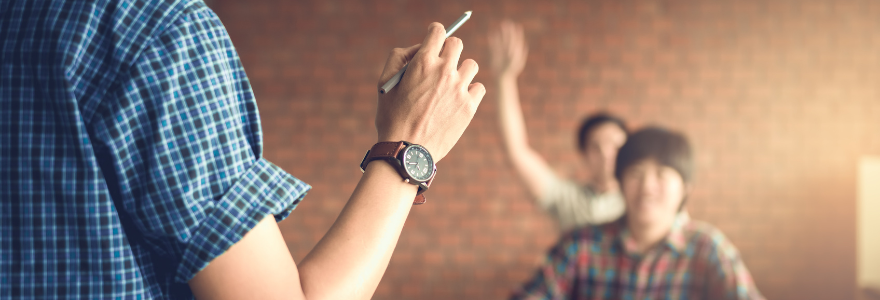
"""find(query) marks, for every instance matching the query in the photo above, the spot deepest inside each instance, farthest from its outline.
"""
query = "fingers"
(396, 60)
(468, 70)
(508, 39)
(506, 26)
(411, 51)
(452, 51)
(477, 91)
(496, 38)
(508, 33)
(497, 53)
(520, 37)
(434, 40)
(514, 38)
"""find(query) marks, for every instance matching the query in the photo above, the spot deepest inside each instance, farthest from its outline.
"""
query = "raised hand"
(508, 49)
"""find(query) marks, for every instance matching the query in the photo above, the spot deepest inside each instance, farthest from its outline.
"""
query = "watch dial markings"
(419, 163)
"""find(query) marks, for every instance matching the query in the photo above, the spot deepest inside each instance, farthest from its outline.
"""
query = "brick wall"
(779, 99)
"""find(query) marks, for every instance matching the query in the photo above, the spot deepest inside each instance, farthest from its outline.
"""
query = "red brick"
(775, 96)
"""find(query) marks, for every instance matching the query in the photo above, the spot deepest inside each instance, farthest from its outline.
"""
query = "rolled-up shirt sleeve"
(572, 205)
(183, 136)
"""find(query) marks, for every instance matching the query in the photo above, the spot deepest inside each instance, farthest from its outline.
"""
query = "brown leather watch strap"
(420, 196)
(420, 199)
(383, 150)
(388, 151)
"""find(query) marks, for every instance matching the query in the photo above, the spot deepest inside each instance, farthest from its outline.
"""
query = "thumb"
(398, 58)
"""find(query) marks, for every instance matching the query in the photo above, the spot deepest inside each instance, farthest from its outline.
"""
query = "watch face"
(418, 162)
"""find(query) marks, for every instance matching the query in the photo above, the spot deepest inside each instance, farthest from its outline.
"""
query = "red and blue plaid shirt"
(695, 261)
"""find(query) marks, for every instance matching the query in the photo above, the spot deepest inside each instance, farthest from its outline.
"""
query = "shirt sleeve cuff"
(553, 191)
(263, 189)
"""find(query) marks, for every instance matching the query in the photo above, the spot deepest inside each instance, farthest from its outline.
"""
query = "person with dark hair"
(572, 204)
(655, 251)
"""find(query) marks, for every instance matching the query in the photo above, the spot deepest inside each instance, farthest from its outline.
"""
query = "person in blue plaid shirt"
(131, 159)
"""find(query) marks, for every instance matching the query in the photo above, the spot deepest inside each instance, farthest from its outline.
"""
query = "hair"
(593, 121)
(668, 148)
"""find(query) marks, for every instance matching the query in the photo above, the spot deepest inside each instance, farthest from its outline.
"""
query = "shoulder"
(708, 241)
(124, 26)
(99, 40)
(564, 190)
(559, 191)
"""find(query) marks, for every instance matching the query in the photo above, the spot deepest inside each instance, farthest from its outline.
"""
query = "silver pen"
(396, 78)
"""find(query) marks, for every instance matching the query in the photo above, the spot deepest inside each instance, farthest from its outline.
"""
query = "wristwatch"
(413, 162)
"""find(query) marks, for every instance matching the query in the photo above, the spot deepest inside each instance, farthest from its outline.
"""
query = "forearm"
(431, 107)
(510, 116)
(527, 163)
(349, 261)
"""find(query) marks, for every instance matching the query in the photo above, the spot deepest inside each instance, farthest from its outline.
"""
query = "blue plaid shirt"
(130, 149)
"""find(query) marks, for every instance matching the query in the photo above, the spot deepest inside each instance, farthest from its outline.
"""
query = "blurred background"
(779, 98)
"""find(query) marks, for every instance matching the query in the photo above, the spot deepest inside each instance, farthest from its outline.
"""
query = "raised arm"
(508, 57)
(431, 106)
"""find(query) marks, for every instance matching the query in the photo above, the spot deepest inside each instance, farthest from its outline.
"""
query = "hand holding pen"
(435, 100)
(391, 83)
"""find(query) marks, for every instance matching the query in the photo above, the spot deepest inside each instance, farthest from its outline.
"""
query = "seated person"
(655, 251)
(572, 204)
